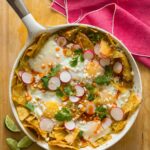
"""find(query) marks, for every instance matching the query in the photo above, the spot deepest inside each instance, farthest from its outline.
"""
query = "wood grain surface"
(13, 36)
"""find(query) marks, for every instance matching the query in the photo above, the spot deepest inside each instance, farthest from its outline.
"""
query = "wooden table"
(12, 38)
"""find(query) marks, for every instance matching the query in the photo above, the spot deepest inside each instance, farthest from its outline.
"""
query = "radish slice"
(97, 48)
(104, 62)
(117, 113)
(90, 108)
(117, 67)
(74, 99)
(54, 83)
(27, 77)
(88, 54)
(76, 47)
(65, 76)
(70, 125)
(79, 90)
(61, 41)
(46, 124)
(106, 123)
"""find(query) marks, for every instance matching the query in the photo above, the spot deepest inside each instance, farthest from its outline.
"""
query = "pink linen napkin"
(127, 20)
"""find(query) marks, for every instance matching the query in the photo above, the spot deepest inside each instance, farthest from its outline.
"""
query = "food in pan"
(74, 88)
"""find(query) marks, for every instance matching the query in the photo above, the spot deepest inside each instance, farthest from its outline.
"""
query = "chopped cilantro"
(78, 56)
(108, 71)
(102, 80)
(101, 112)
(68, 90)
(74, 61)
(59, 93)
(101, 109)
(63, 115)
(89, 87)
(102, 116)
(45, 80)
(78, 52)
(81, 58)
(91, 97)
(55, 70)
(29, 106)
(106, 78)
(80, 134)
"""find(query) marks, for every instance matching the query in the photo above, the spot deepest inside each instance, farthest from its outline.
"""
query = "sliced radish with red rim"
(117, 67)
(79, 90)
(88, 54)
(117, 113)
(65, 76)
(74, 99)
(104, 62)
(54, 83)
(27, 78)
(106, 123)
(46, 124)
(70, 125)
(61, 41)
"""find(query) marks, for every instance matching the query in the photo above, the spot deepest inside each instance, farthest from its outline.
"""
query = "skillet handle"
(33, 27)
(19, 7)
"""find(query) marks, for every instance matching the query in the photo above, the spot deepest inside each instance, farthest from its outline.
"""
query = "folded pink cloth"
(127, 20)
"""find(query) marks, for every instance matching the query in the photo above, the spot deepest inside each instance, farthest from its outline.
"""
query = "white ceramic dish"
(35, 29)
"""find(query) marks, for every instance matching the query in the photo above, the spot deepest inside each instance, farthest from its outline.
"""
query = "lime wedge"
(12, 144)
(25, 142)
(11, 125)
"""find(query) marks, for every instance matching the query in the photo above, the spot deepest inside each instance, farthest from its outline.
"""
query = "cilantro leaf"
(106, 78)
(78, 52)
(101, 112)
(45, 80)
(68, 90)
(55, 70)
(74, 62)
(101, 109)
(89, 87)
(59, 93)
(80, 134)
(102, 80)
(91, 97)
(63, 115)
(81, 58)
(78, 57)
(29, 106)
(102, 116)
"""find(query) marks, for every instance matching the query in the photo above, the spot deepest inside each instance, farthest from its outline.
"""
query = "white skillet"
(34, 29)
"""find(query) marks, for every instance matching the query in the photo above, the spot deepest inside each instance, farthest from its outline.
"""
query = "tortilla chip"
(118, 126)
(102, 140)
(132, 103)
(61, 144)
(126, 66)
(35, 124)
(51, 109)
(30, 118)
(84, 41)
(71, 137)
(18, 93)
(23, 113)
(37, 45)
(70, 34)
(58, 135)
